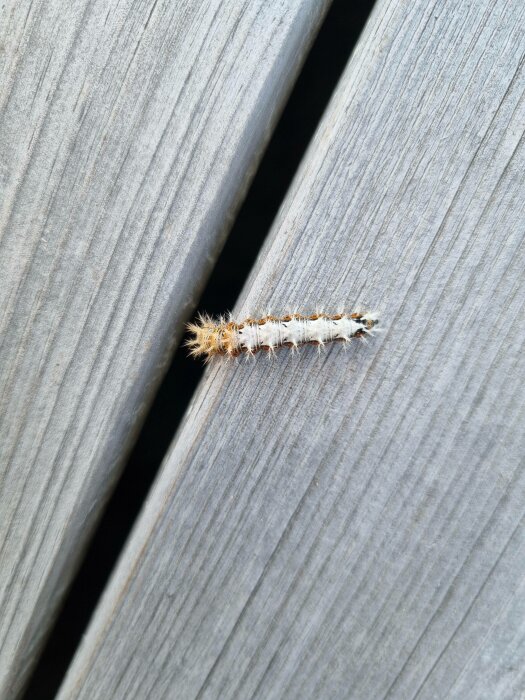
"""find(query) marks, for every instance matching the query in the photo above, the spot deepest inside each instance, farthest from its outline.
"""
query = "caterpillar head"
(205, 339)
(212, 338)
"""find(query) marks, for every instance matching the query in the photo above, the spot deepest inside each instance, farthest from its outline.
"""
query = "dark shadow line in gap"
(314, 86)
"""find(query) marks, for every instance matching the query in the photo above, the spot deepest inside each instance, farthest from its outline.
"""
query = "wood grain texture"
(350, 525)
(129, 132)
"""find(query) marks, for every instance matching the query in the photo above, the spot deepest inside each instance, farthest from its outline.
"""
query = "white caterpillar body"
(269, 333)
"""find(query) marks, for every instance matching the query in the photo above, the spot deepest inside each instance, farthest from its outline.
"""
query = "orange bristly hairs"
(228, 337)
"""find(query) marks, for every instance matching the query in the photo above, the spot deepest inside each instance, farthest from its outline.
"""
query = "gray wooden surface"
(350, 525)
(128, 134)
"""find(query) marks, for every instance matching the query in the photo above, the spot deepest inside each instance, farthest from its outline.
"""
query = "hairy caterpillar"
(228, 337)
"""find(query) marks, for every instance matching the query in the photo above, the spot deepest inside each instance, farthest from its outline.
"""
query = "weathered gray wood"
(129, 132)
(350, 525)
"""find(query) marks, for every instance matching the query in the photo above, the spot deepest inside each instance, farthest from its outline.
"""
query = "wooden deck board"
(129, 132)
(350, 525)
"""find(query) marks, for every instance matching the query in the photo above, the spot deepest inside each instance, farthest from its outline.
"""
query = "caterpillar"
(227, 337)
